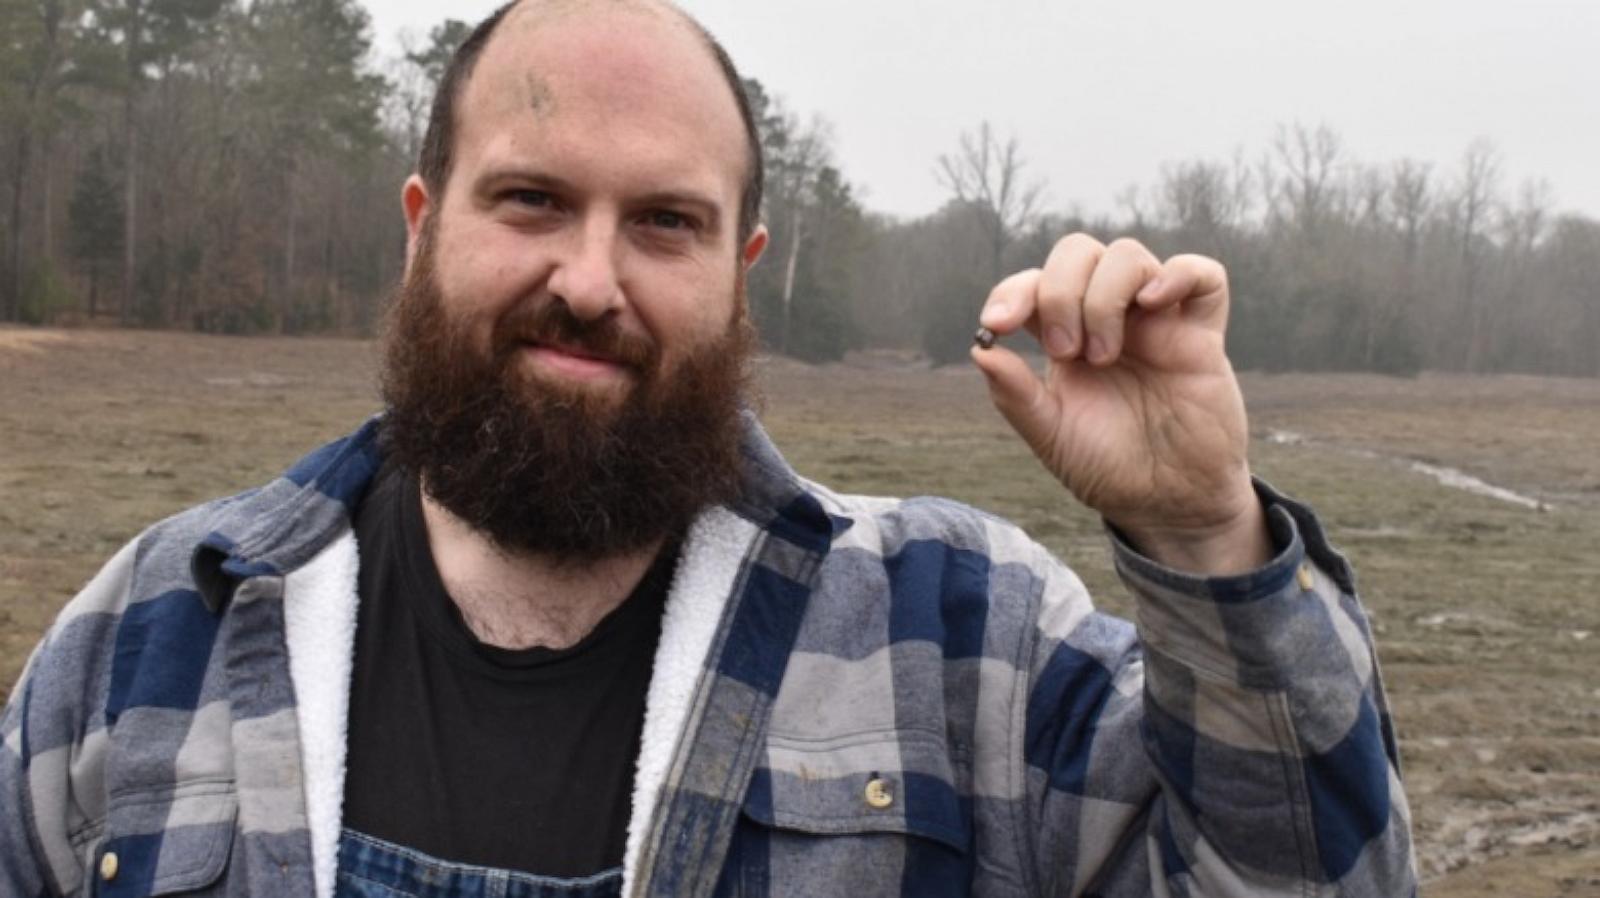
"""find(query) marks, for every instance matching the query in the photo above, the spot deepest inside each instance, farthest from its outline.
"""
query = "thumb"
(1018, 394)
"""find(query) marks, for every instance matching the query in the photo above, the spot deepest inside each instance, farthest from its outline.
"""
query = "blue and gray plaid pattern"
(903, 698)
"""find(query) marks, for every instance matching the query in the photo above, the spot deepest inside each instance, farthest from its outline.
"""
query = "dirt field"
(1487, 607)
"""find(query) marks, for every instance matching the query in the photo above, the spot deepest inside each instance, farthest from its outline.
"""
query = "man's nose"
(585, 275)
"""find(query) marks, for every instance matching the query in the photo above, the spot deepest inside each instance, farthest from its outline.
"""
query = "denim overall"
(373, 868)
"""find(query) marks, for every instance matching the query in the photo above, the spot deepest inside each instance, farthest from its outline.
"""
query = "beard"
(554, 469)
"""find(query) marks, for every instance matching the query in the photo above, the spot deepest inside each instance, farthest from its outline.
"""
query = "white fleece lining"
(712, 556)
(319, 610)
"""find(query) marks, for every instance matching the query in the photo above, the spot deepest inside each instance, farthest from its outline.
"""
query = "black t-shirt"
(514, 759)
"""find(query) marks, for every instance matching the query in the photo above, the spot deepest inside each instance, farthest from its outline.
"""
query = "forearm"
(1266, 719)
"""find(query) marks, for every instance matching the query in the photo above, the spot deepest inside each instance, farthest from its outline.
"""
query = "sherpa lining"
(320, 601)
(319, 611)
(712, 557)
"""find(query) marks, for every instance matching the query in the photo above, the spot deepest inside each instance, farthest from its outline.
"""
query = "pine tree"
(94, 219)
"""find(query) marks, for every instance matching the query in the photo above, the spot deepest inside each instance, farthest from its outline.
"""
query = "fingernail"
(992, 314)
(1151, 289)
(1058, 340)
(1098, 350)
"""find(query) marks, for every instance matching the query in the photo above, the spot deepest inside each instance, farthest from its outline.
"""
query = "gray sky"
(1101, 94)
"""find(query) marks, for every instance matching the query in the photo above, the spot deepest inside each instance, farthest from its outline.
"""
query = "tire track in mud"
(1453, 478)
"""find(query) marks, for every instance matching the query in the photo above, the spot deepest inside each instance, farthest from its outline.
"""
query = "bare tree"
(1370, 196)
(1407, 203)
(1131, 200)
(802, 154)
(410, 94)
(1520, 310)
(1522, 226)
(1310, 158)
(415, 76)
(1206, 201)
(1473, 201)
(988, 175)
(1410, 200)
(1569, 259)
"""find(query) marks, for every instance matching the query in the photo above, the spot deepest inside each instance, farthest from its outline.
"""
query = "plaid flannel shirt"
(899, 698)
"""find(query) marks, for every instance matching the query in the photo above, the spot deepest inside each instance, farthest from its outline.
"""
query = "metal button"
(1305, 578)
(878, 793)
(108, 866)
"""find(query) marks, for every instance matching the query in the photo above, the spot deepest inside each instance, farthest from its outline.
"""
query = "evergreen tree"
(443, 39)
(94, 219)
(315, 102)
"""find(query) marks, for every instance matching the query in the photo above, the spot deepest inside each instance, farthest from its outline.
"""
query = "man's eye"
(668, 220)
(534, 199)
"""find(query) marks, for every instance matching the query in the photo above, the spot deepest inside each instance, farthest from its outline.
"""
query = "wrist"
(1239, 545)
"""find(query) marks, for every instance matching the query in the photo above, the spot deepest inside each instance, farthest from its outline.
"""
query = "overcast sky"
(1101, 94)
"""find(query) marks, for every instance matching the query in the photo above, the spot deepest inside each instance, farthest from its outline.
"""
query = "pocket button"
(878, 793)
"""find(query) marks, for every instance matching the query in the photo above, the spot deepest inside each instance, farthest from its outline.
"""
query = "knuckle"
(1196, 262)
(1127, 246)
(1080, 242)
(1210, 268)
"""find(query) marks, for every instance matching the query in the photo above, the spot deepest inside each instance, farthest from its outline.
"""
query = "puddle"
(1381, 532)
(252, 379)
(1472, 836)
(1450, 477)
(1463, 481)
(1464, 622)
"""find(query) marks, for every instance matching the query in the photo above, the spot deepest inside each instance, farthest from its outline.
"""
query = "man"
(598, 639)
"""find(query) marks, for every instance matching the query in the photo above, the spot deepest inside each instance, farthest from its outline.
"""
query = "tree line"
(221, 165)
(232, 166)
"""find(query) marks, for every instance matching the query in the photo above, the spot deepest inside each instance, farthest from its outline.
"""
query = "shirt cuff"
(1246, 627)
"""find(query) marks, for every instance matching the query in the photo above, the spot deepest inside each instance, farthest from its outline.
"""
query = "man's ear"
(417, 205)
(754, 247)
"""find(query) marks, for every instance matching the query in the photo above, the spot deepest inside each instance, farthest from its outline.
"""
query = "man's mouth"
(575, 361)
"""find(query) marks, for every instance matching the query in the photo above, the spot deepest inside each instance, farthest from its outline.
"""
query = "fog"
(1100, 95)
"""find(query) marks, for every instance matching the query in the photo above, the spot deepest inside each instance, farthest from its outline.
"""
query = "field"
(1487, 607)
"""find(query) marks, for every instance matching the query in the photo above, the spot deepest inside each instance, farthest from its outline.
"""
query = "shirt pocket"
(165, 842)
(870, 814)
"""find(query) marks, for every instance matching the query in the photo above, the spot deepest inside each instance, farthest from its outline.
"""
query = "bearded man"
(563, 623)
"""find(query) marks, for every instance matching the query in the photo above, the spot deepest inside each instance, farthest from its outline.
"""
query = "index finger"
(1011, 303)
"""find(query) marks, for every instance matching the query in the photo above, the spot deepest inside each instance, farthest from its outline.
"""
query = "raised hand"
(1138, 412)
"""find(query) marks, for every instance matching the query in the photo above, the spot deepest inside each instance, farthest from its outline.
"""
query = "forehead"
(629, 85)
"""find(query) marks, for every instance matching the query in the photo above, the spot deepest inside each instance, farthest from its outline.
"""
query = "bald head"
(439, 150)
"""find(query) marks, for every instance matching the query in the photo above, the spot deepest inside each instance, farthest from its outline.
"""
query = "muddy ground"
(1487, 609)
